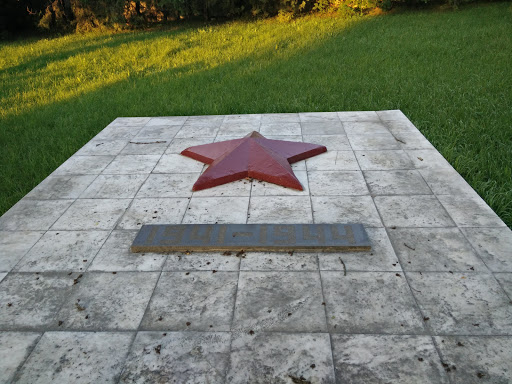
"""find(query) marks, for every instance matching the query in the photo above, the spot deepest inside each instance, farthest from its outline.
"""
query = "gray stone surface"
(178, 357)
(197, 301)
(279, 301)
(370, 302)
(281, 358)
(368, 359)
(81, 357)
(92, 214)
(30, 301)
(14, 245)
(63, 251)
(477, 359)
(115, 255)
(435, 249)
(462, 303)
(429, 303)
(108, 301)
(15, 347)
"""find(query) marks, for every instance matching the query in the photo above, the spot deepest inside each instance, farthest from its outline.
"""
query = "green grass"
(449, 72)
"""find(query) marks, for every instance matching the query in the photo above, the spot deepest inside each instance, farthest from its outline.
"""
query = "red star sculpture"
(252, 156)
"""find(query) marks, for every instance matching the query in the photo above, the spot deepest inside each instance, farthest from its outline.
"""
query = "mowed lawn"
(449, 72)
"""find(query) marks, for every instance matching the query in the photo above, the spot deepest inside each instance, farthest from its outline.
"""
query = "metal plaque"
(251, 237)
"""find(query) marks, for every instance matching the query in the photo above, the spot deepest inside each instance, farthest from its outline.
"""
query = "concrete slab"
(429, 303)
(81, 357)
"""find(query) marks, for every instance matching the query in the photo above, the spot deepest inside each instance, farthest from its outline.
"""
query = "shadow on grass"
(374, 65)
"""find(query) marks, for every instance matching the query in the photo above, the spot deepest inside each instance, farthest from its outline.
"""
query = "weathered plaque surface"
(251, 237)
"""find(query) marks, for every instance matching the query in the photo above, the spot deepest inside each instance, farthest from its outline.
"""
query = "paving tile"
(505, 280)
(435, 249)
(132, 164)
(130, 121)
(33, 215)
(318, 117)
(119, 132)
(400, 126)
(63, 251)
(61, 187)
(412, 211)
(345, 209)
(243, 119)
(210, 210)
(175, 163)
(14, 245)
(392, 114)
(281, 358)
(359, 116)
(235, 188)
(462, 303)
(86, 214)
(370, 302)
(427, 158)
(279, 301)
(296, 138)
(205, 119)
(168, 185)
(287, 261)
(280, 210)
(329, 183)
(238, 130)
(263, 188)
(167, 120)
(35, 299)
(333, 161)
(195, 301)
(477, 359)
(364, 127)
(396, 183)
(372, 142)
(383, 160)
(278, 118)
(493, 245)
(412, 140)
(114, 187)
(16, 347)
(198, 131)
(115, 255)
(157, 132)
(331, 142)
(446, 181)
(2, 276)
(322, 128)
(203, 261)
(179, 145)
(108, 301)
(470, 211)
(280, 129)
(102, 148)
(381, 257)
(81, 357)
(153, 211)
(368, 359)
(178, 357)
(83, 165)
(146, 147)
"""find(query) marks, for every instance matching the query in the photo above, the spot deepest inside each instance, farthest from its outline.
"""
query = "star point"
(253, 156)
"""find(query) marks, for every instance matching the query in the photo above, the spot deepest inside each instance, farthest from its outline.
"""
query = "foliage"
(84, 15)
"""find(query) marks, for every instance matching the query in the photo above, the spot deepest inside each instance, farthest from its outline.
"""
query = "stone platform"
(430, 303)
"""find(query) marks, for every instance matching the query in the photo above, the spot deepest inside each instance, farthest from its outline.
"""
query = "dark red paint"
(253, 156)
